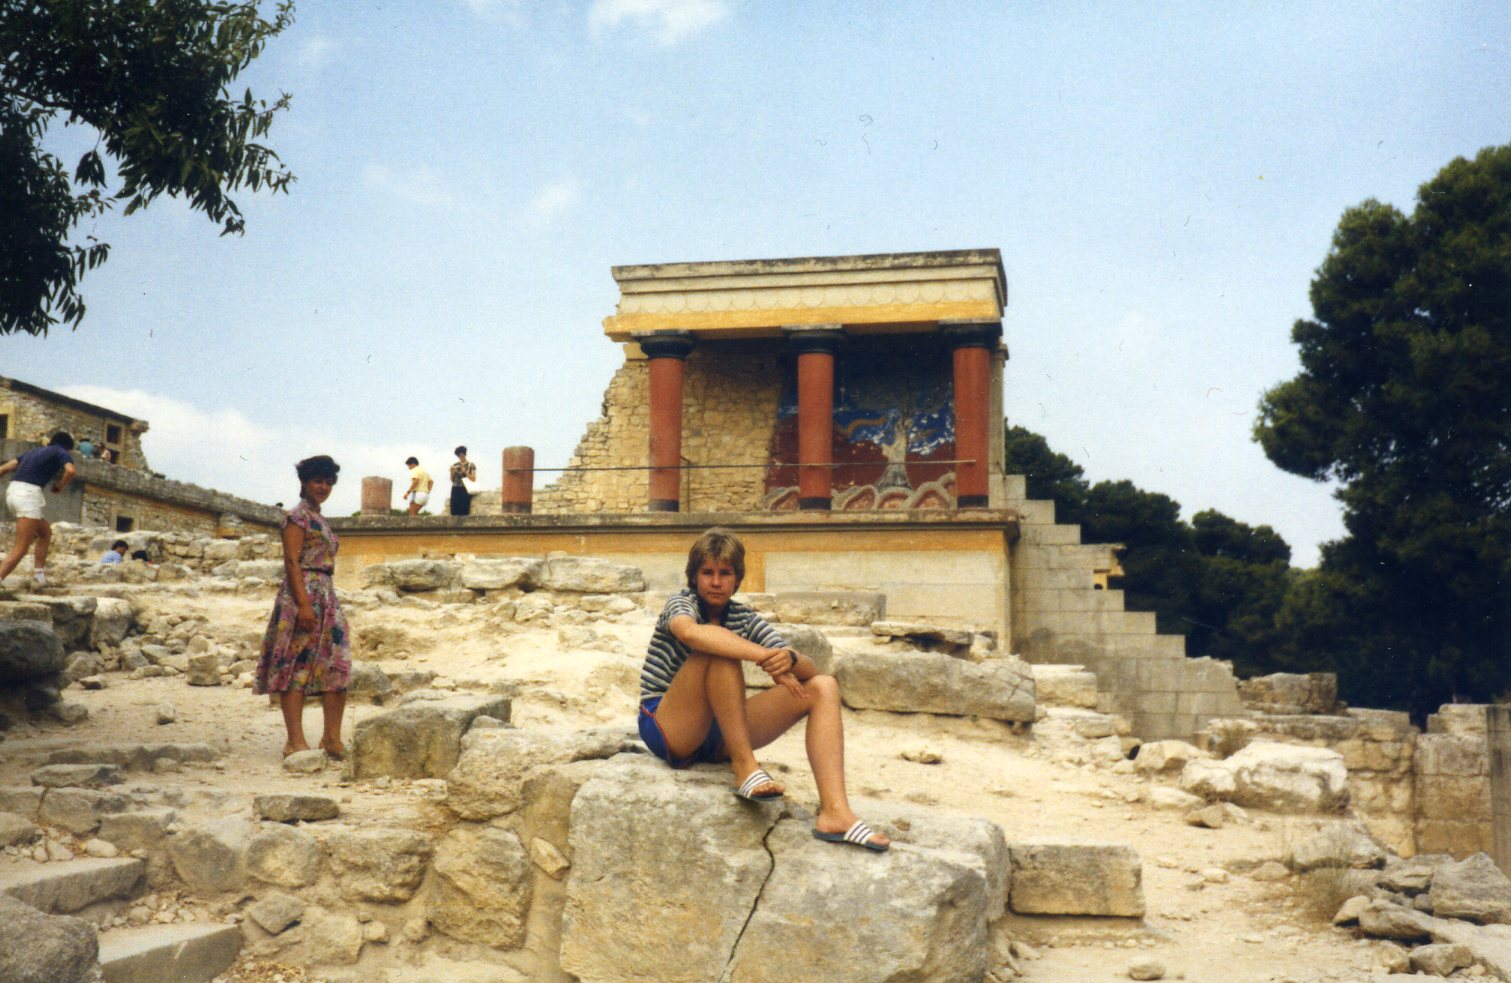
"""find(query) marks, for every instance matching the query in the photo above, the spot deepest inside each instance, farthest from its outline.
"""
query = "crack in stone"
(756, 904)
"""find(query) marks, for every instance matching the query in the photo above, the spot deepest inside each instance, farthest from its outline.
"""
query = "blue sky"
(1162, 180)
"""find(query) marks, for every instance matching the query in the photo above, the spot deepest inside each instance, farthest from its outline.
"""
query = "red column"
(665, 354)
(815, 348)
(377, 495)
(972, 343)
(518, 492)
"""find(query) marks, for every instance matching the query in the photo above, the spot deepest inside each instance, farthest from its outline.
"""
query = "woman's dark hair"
(120, 544)
(140, 555)
(412, 461)
(319, 466)
(720, 545)
(62, 439)
(460, 450)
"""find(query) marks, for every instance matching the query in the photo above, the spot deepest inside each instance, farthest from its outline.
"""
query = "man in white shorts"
(420, 484)
(33, 470)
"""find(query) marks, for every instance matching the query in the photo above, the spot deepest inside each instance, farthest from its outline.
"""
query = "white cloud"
(421, 185)
(223, 450)
(553, 201)
(668, 21)
(316, 51)
(509, 10)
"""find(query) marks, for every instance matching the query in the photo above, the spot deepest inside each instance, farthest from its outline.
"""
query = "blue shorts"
(650, 733)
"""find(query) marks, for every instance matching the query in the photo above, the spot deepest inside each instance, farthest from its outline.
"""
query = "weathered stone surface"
(76, 776)
(549, 859)
(307, 762)
(420, 739)
(1473, 889)
(1344, 844)
(39, 948)
(24, 801)
(1268, 775)
(71, 885)
(369, 682)
(29, 649)
(376, 863)
(1383, 920)
(1065, 686)
(287, 808)
(481, 891)
(210, 857)
(589, 575)
(1146, 968)
(1216, 816)
(25, 611)
(1173, 798)
(1161, 757)
(913, 913)
(112, 622)
(1067, 878)
(72, 617)
(283, 855)
(204, 670)
(499, 574)
(978, 843)
(927, 637)
(331, 938)
(1348, 913)
(138, 757)
(154, 953)
(412, 575)
(1440, 959)
(926, 682)
(489, 777)
(855, 608)
(666, 868)
(79, 810)
(16, 829)
(1291, 693)
(1412, 875)
(276, 912)
(139, 829)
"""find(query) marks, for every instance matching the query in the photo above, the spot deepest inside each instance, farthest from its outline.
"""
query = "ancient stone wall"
(112, 494)
(729, 402)
(32, 413)
(1453, 809)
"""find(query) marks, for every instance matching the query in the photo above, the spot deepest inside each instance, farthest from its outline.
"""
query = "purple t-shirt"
(40, 464)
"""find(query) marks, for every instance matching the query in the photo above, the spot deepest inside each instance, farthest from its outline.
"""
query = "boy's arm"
(716, 640)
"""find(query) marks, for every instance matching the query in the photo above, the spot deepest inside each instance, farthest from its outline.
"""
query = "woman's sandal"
(754, 781)
(859, 834)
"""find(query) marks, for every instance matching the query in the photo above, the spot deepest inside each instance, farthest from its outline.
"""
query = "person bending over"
(33, 471)
(116, 553)
(693, 706)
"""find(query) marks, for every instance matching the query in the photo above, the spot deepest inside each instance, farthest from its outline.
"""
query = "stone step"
(1065, 686)
(1086, 723)
(72, 885)
(184, 953)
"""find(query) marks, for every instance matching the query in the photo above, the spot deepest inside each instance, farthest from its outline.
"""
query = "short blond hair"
(716, 544)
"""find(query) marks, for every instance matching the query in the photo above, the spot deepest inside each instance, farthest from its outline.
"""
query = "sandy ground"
(1207, 920)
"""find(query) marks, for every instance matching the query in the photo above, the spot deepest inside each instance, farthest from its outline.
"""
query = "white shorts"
(25, 500)
(420, 498)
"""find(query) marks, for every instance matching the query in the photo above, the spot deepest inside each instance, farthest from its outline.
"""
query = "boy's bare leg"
(44, 541)
(26, 531)
(726, 695)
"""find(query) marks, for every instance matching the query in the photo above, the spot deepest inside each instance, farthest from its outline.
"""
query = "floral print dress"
(317, 661)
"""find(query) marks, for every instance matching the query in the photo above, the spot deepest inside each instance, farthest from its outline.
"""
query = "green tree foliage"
(1215, 580)
(1404, 399)
(151, 78)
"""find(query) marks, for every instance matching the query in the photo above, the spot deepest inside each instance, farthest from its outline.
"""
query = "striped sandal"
(859, 834)
(754, 781)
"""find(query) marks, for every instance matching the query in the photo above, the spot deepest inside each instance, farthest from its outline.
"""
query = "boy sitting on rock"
(693, 706)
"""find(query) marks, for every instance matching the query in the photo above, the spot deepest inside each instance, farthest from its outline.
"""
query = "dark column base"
(664, 505)
(516, 508)
(814, 504)
(972, 501)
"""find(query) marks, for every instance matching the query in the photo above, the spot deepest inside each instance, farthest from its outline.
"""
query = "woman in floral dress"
(307, 647)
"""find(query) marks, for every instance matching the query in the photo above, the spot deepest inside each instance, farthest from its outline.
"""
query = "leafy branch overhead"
(152, 79)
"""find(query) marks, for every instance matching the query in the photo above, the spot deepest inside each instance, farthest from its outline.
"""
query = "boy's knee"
(823, 685)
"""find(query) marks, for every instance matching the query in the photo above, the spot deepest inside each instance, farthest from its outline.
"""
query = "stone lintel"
(825, 339)
(874, 294)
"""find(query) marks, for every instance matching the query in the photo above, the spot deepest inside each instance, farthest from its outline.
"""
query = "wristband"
(794, 660)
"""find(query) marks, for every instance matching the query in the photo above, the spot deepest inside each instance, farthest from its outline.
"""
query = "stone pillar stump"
(518, 492)
(377, 495)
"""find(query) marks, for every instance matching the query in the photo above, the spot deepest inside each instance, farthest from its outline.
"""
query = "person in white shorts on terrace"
(30, 472)
(420, 484)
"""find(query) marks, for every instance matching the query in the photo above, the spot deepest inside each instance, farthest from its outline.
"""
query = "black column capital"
(665, 344)
(971, 333)
(805, 339)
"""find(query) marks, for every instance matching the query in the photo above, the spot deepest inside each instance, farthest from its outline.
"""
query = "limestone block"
(377, 863)
(1459, 719)
(112, 622)
(276, 912)
(1173, 798)
(976, 842)
(1342, 844)
(153, 953)
(28, 650)
(1278, 777)
(420, 739)
(79, 810)
(283, 855)
(138, 757)
(1452, 754)
(287, 808)
(489, 777)
(72, 617)
(857, 608)
(513, 571)
(367, 681)
(1291, 693)
(1453, 796)
(910, 914)
(23, 801)
(1412, 875)
(1473, 889)
(67, 886)
(76, 776)
(590, 575)
(666, 868)
(1384, 920)
(482, 887)
(210, 857)
(25, 611)
(924, 682)
(1163, 757)
(413, 575)
(548, 794)
(1458, 838)
(204, 670)
(926, 637)
(331, 938)
(39, 948)
(16, 829)
(1441, 959)
(1065, 686)
(1070, 878)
